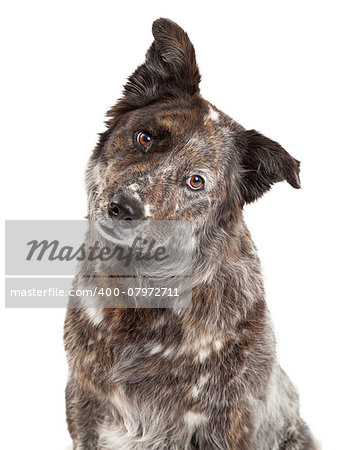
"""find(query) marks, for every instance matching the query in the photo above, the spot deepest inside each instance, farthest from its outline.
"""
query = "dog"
(204, 376)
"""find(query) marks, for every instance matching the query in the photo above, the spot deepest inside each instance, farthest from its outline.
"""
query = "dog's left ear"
(263, 163)
(170, 68)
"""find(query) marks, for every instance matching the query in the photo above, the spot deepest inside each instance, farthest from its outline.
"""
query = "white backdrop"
(288, 69)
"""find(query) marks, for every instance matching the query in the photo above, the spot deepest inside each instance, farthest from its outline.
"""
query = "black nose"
(122, 207)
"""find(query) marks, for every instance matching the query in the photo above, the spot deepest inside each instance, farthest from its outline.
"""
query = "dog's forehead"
(178, 118)
(187, 134)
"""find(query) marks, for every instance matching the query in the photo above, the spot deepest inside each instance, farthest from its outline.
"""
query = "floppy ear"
(263, 163)
(169, 69)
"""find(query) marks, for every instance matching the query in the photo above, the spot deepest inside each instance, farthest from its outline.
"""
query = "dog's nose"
(123, 207)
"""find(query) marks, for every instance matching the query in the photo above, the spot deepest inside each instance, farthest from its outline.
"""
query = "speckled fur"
(205, 377)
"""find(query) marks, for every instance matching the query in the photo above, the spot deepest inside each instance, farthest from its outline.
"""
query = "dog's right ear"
(170, 69)
(263, 163)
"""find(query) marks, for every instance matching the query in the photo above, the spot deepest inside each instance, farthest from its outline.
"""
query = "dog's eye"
(144, 139)
(195, 182)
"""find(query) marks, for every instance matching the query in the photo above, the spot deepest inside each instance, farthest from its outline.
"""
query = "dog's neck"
(225, 290)
(238, 262)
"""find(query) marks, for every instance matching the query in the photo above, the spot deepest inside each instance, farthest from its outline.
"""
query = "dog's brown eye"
(195, 182)
(144, 139)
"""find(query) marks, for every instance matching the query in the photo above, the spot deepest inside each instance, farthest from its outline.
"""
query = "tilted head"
(170, 154)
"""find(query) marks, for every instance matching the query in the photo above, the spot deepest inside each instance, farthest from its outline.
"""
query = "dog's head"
(170, 154)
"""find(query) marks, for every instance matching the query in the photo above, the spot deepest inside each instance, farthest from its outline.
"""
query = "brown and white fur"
(204, 377)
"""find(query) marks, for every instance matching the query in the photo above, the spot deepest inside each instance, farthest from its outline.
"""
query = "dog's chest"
(155, 383)
(151, 353)
(146, 358)
(157, 376)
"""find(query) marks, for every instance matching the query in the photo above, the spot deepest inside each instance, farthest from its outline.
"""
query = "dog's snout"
(123, 207)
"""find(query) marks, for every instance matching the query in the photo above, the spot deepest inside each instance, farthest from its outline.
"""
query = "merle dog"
(204, 377)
